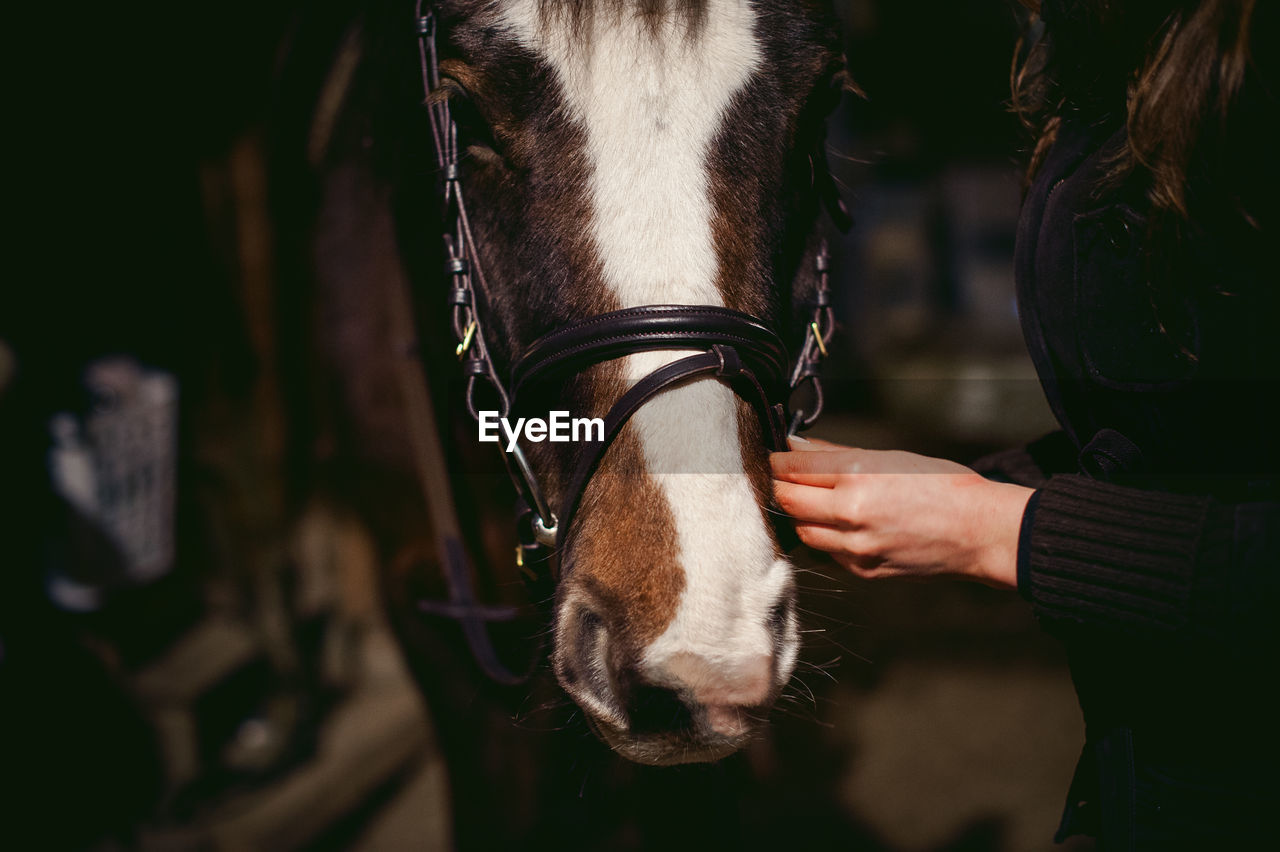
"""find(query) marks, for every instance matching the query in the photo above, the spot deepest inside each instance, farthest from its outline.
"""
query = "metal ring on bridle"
(545, 523)
(545, 536)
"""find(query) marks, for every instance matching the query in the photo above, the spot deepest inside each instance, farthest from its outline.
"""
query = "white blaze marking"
(651, 108)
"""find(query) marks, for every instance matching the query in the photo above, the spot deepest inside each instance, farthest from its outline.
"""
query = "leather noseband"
(736, 348)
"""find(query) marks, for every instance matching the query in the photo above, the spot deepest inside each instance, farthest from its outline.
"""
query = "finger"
(817, 469)
(812, 445)
(807, 503)
(822, 537)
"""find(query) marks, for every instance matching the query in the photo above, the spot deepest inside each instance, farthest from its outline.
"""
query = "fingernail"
(799, 440)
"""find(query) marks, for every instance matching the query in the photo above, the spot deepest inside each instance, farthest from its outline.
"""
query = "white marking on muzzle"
(651, 106)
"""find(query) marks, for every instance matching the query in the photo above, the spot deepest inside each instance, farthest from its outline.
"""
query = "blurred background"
(194, 651)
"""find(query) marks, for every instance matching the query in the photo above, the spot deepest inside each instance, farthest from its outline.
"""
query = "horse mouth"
(684, 706)
(666, 749)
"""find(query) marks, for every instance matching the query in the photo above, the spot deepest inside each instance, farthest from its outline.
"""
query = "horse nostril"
(656, 709)
(778, 617)
(590, 633)
(582, 662)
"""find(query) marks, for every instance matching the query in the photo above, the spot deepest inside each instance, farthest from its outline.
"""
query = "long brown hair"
(1173, 68)
(1180, 76)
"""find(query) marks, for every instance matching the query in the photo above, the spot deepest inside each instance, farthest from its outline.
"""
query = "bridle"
(740, 350)
(737, 348)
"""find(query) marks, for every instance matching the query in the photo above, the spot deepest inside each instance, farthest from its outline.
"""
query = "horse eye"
(474, 131)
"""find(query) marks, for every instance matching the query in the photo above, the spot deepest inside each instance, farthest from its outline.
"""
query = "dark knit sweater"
(1152, 543)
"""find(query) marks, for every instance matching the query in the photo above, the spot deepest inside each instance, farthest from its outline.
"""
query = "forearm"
(1146, 562)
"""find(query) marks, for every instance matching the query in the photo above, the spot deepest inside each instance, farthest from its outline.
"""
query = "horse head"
(625, 153)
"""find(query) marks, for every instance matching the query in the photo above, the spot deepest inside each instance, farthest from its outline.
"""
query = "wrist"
(1001, 522)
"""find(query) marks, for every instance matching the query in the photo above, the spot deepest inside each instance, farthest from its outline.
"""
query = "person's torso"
(1177, 387)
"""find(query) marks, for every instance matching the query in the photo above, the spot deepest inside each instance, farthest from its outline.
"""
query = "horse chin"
(667, 749)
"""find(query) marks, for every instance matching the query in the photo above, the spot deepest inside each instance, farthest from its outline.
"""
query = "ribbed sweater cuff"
(1092, 552)
(1024, 545)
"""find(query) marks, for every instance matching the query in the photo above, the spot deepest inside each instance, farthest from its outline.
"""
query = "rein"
(740, 350)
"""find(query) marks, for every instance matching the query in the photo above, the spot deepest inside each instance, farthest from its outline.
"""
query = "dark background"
(141, 228)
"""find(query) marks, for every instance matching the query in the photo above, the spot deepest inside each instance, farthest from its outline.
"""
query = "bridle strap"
(604, 337)
(807, 369)
(469, 293)
(467, 274)
(721, 361)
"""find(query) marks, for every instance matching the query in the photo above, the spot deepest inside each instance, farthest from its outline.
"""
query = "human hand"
(898, 514)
